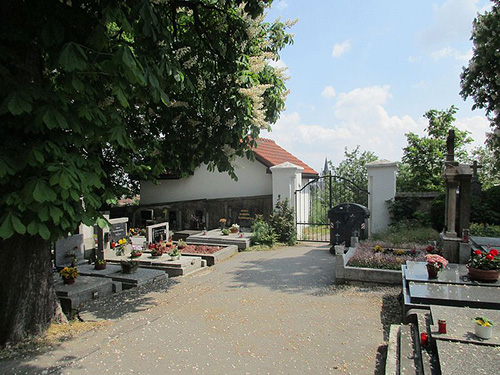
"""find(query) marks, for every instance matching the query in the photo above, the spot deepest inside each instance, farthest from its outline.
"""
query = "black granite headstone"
(118, 231)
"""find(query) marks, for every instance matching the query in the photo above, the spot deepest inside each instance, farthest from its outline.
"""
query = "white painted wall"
(382, 187)
(252, 181)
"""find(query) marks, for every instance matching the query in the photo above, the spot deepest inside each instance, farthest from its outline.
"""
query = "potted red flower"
(484, 265)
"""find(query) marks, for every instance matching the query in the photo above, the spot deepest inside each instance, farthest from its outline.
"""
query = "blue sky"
(364, 73)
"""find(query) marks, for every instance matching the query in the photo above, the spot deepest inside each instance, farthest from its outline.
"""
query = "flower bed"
(385, 256)
(200, 249)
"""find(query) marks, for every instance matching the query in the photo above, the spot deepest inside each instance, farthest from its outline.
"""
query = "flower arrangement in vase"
(175, 254)
(483, 327)
(119, 246)
(69, 274)
(484, 266)
(434, 264)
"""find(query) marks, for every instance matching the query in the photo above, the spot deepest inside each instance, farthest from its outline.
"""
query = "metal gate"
(316, 198)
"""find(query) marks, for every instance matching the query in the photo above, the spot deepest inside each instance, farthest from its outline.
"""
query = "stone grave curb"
(216, 257)
(346, 274)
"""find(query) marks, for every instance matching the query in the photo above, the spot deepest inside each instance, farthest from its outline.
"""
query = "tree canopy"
(95, 92)
(423, 157)
(480, 80)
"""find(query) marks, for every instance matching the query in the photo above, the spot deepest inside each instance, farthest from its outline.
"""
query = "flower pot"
(233, 230)
(100, 266)
(432, 272)
(484, 332)
(68, 281)
(483, 275)
(129, 268)
(135, 255)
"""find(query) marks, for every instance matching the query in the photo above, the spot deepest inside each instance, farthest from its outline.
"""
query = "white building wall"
(252, 181)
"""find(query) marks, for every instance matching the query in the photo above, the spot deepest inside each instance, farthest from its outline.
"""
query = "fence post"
(382, 187)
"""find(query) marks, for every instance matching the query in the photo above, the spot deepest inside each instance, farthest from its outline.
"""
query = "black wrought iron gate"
(316, 198)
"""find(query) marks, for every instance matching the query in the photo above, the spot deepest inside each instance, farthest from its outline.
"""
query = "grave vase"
(483, 275)
(484, 332)
(432, 271)
(68, 281)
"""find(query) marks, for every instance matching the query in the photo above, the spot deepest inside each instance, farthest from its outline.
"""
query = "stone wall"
(203, 213)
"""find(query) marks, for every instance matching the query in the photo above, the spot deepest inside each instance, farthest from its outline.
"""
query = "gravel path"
(274, 312)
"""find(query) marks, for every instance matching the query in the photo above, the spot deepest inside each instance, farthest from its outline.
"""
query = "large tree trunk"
(27, 296)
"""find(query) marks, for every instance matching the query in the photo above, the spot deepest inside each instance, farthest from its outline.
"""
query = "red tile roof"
(270, 154)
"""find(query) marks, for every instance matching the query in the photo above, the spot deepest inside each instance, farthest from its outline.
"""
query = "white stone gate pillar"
(382, 187)
(287, 178)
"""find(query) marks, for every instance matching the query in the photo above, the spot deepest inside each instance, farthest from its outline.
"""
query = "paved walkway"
(272, 312)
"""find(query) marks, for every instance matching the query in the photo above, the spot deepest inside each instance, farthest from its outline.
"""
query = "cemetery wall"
(253, 180)
(206, 213)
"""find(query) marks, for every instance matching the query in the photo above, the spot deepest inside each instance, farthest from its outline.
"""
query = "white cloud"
(478, 126)
(414, 59)
(453, 53)
(360, 119)
(328, 92)
(282, 4)
(452, 22)
(340, 48)
(277, 64)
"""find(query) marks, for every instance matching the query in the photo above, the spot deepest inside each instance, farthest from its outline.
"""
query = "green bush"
(484, 230)
(406, 232)
(262, 232)
(283, 222)
(404, 209)
(486, 208)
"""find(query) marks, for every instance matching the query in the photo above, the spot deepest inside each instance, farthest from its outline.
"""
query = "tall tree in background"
(94, 91)
(480, 80)
(423, 158)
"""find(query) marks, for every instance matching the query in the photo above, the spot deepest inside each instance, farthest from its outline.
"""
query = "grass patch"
(398, 235)
(56, 334)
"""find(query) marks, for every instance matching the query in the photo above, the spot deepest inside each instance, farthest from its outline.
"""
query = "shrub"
(406, 232)
(484, 230)
(283, 222)
(262, 232)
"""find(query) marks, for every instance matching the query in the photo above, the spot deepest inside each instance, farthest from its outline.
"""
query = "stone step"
(392, 359)
(407, 359)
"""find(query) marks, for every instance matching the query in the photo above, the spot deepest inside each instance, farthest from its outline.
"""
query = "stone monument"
(458, 198)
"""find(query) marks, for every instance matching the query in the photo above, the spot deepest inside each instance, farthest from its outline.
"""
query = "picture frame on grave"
(158, 232)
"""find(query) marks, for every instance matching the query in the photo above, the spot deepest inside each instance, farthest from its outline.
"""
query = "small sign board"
(158, 232)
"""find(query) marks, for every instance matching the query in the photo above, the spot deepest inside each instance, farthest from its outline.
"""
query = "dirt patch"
(200, 249)
(56, 334)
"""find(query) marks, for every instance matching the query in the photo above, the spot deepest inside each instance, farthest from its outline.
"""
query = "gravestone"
(69, 248)
(157, 232)
(244, 219)
(347, 220)
(118, 230)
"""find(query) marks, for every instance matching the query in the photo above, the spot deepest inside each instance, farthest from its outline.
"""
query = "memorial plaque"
(118, 231)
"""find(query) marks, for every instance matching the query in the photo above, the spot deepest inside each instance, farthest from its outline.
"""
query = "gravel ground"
(274, 312)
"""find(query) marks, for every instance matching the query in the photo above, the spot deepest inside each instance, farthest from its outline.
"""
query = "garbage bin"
(347, 220)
